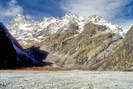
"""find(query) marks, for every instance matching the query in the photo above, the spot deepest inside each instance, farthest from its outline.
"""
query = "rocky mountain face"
(77, 42)
(122, 57)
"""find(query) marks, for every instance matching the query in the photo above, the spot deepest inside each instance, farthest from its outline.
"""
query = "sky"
(116, 11)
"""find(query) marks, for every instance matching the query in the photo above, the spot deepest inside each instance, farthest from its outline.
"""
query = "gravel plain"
(65, 80)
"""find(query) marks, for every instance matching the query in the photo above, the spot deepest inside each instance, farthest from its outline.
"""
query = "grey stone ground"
(66, 80)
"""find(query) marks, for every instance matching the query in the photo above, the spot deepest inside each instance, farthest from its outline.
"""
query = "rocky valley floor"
(65, 80)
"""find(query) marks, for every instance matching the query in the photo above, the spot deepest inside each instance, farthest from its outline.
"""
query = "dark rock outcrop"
(12, 55)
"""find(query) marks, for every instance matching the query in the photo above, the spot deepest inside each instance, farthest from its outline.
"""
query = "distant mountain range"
(77, 42)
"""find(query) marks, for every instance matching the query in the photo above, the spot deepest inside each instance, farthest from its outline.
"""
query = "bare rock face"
(88, 49)
(12, 55)
(122, 57)
(92, 49)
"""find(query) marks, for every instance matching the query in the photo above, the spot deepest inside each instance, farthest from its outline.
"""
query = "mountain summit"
(26, 30)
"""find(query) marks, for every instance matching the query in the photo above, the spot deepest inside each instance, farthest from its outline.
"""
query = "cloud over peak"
(110, 9)
(117, 11)
(10, 10)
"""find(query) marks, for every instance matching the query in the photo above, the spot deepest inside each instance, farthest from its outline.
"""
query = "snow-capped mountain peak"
(27, 30)
(110, 27)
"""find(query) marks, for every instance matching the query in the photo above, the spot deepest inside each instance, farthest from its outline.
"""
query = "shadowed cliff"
(12, 55)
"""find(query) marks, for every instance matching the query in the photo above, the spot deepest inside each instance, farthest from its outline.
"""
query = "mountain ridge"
(80, 42)
(32, 30)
